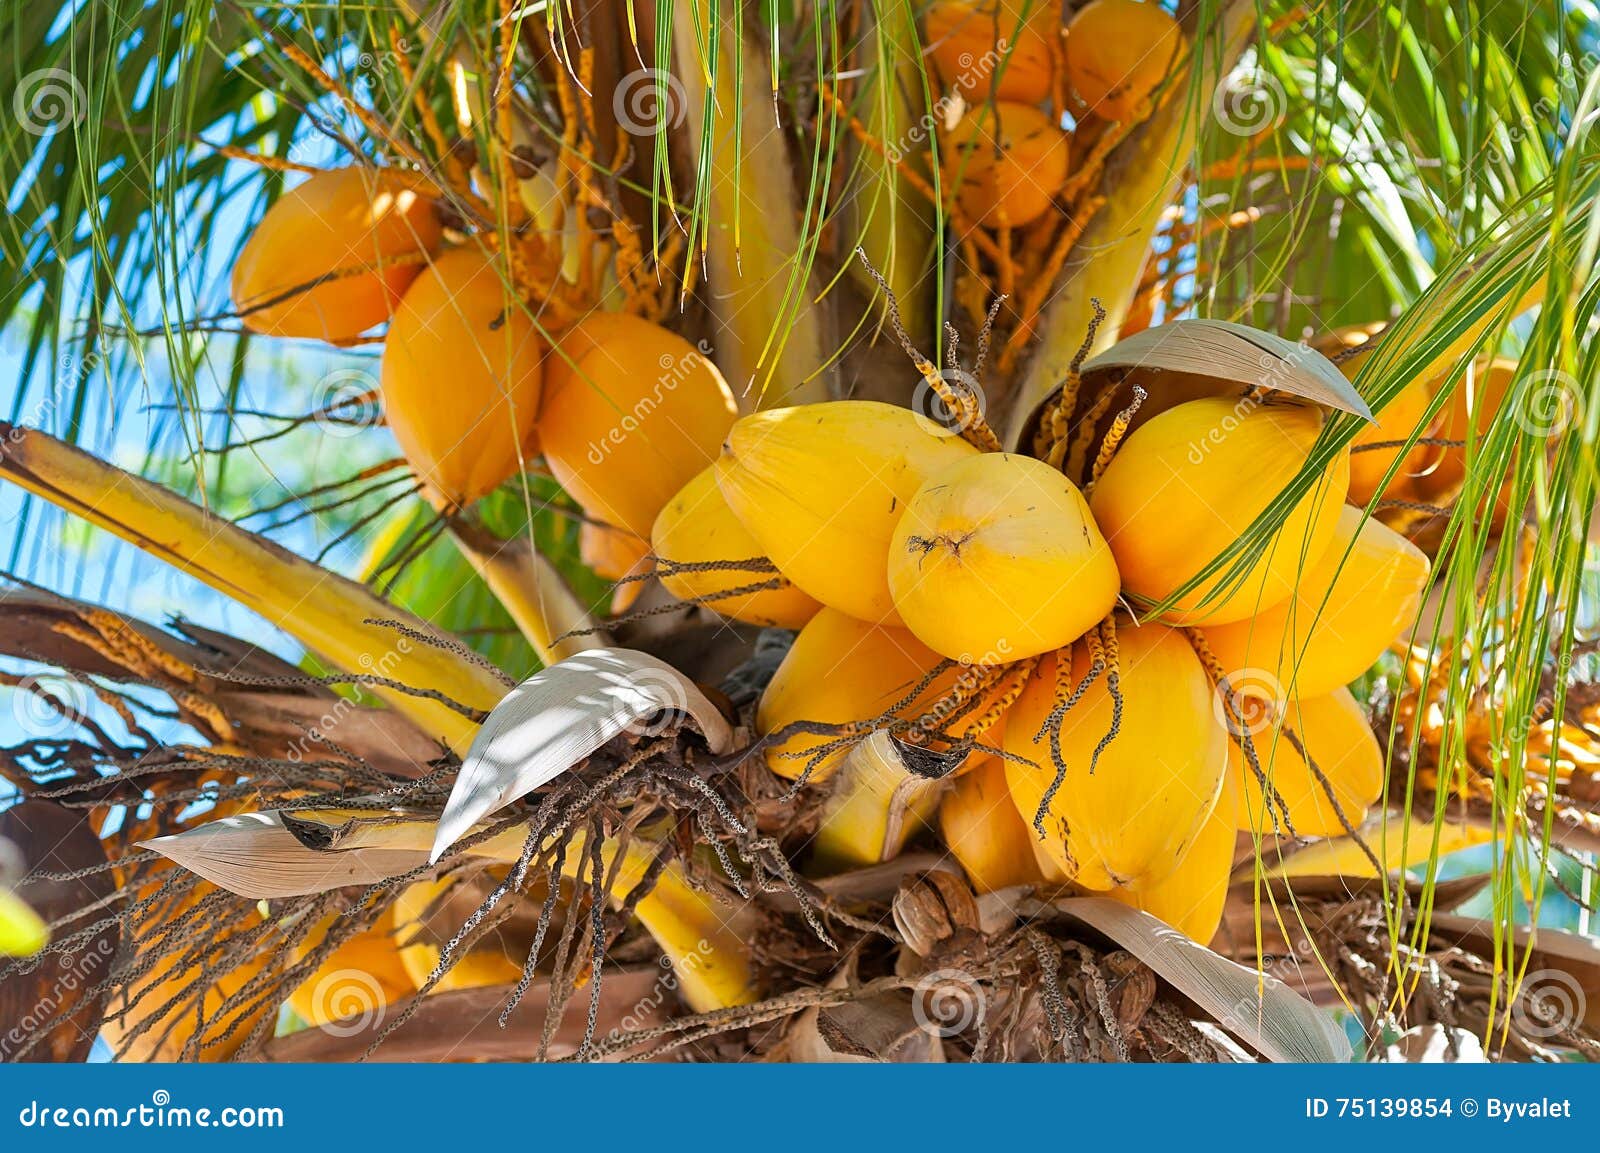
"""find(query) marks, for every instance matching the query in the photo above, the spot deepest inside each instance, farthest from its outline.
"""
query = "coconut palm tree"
(318, 817)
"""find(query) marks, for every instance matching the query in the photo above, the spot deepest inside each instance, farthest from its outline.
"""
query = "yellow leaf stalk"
(327, 613)
(875, 807)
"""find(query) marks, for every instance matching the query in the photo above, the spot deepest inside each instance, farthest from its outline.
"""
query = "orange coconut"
(348, 222)
(359, 978)
(461, 378)
(1191, 898)
(999, 50)
(821, 487)
(1006, 161)
(985, 832)
(1117, 54)
(997, 558)
(1470, 413)
(1406, 412)
(1335, 731)
(841, 669)
(154, 1017)
(427, 915)
(638, 414)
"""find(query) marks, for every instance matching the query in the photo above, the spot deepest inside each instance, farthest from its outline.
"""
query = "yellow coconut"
(1335, 731)
(1128, 820)
(1352, 603)
(997, 558)
(1187, 485)
(639, 415)
(461, 378)
(822, 486)
(1006, 162)
(333, 233)
(1118, 52)
(983, 829)
(994, 50)
(427, 914)
(359, 978)
(841, 669)
(1192, 897)
(698, 527)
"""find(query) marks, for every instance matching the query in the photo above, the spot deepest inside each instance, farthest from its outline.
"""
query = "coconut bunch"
(474, 372)
(1101, 708)
(1012, 77)
(1412, 460)
(493, 362)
